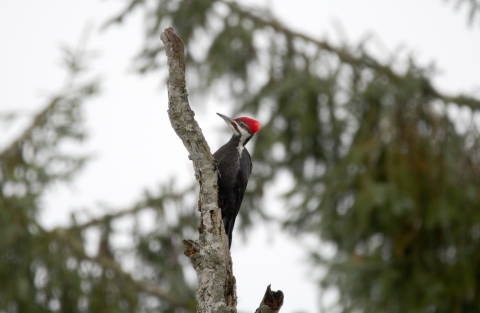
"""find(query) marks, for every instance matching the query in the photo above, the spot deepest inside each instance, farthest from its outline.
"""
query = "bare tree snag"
(210, 255)
(272, 301)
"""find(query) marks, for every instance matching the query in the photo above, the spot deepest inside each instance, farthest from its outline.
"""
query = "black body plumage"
(234, 170)
(234, 166)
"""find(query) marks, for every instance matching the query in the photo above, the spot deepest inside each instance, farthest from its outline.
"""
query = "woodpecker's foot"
(217, 164)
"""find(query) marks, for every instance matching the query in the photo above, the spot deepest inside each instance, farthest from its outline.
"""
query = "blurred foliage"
(45, 271)
(473, 8)
(385, 169)
(385, 166)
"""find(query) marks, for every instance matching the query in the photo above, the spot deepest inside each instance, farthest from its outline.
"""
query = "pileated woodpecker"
(234, 166)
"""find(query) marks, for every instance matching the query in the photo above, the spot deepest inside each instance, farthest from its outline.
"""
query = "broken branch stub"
(272, 301)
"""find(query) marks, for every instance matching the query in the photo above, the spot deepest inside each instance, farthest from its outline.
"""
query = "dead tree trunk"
(209, 254)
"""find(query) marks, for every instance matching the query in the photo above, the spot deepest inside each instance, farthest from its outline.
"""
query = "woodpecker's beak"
(226, 118)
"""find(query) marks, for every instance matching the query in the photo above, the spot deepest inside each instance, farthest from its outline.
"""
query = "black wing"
(232, 182)
(239, 190)
(242, 178)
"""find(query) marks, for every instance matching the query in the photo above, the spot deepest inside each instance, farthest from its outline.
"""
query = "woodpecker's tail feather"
(229, 223)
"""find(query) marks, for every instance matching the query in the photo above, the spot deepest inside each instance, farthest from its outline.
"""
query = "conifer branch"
(364, 60)
(145, 204)
(108, 263)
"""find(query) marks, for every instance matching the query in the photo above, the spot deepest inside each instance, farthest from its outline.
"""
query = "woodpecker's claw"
(216, 164)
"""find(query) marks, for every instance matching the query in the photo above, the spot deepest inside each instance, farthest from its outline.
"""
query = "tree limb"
(210, 255)
(147, 203)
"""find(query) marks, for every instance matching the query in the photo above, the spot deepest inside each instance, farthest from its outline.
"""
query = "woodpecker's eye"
(244, 126)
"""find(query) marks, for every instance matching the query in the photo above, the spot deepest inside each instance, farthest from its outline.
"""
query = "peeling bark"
(209, 254)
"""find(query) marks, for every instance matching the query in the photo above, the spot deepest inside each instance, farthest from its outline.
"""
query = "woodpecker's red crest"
(252, 124)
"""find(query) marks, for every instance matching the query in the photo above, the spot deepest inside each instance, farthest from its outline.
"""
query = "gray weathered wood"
(209, 254)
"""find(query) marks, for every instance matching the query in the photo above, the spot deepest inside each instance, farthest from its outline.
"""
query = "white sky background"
(130, 134)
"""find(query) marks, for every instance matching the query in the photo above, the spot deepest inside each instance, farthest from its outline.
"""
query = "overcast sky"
(130, 135)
